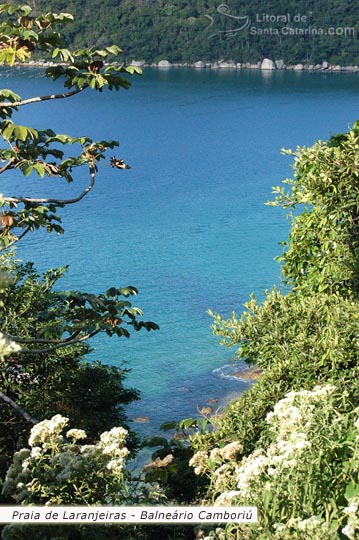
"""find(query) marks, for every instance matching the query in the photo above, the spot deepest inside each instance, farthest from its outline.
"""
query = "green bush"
(305, 336)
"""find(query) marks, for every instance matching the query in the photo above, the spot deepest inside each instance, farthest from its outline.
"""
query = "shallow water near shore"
(187, 224)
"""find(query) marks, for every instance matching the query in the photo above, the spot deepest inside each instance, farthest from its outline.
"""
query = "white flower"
(76, 434)
(231, 450)
(225, 499)
(112, 441)
(215, 453)
(198, 461)
(352, 508)
(36, 452)
(47, 429)
(349, 530)
(115, 465)
(310, 524)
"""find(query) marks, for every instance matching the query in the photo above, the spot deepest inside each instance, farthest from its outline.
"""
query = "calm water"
(187, 224)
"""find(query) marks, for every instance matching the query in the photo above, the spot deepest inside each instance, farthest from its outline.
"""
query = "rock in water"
(164, 64)
(268, 64)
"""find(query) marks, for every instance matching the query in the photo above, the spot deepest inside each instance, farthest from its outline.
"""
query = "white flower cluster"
(290, 422)
(17, 476)
(297, 408)
(46, 431)
(54, 460)
(227, 453)
(352, 526)
(76, 434)
(111, 444)
(199, 462)
(226, 498)
(314, 528)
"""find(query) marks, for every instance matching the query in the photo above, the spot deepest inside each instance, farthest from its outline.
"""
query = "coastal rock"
(227, 65)
(298, 67)
(268, 64)
(164, 64)
(199, 64)
(250, 374)
(138, 63)
(280, 64)
(325, 65)
(239, 65)
(206, 410)
(141, 419)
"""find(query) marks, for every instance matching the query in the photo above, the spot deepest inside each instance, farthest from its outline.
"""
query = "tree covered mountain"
(307, 31)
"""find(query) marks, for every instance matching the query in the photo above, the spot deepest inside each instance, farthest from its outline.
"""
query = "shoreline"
(266, 66)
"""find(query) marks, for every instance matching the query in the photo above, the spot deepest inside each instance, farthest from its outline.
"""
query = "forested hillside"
(307, 31)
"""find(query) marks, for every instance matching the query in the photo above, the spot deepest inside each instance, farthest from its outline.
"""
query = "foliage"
(59, 470)
(321, 253)
(319, 332)
(208, 30)
(305, 480)
(42, 151)
(169, 465)
(45, 330)
(45, 377)
(304, 336)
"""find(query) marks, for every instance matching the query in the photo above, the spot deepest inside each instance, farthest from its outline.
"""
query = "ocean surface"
(187, 224)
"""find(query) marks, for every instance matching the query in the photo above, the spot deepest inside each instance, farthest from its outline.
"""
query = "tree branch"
(43, 98)
(18, 409)
(38, 340)
(60, 345)
(31, 200)
(18, 238)
(8, 165)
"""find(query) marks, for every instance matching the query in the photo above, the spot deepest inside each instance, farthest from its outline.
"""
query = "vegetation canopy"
(44, 330)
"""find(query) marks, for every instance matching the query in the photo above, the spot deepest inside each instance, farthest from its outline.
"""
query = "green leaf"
(8, 131)
(114, 49)
(21, 133)
(27, 169)
(40, 169)
(188, 423)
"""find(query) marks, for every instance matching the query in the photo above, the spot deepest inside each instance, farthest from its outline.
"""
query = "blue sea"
(187, 225)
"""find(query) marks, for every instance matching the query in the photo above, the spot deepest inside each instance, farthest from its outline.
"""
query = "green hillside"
(246, 31)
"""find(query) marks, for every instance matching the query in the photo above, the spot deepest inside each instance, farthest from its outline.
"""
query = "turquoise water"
(187, 224)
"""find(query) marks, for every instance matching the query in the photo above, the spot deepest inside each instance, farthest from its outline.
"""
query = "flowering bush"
(305, 482)
(57, 469)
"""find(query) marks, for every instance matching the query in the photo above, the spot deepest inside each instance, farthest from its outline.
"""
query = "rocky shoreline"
(266, 65)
